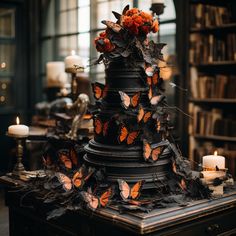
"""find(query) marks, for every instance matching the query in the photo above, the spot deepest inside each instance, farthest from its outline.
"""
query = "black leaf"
(56, 213)
(125, 9)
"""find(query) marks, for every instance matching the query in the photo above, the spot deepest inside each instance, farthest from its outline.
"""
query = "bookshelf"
(211, 78)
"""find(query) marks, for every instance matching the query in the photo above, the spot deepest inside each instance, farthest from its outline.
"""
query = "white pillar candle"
(55, 70)
(18, 130)
(211, 161)
(72, 62)
(157, 1)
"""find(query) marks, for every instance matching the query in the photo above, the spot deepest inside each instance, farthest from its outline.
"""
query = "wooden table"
(204, 217)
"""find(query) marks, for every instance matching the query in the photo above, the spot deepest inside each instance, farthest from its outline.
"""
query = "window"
(7, 56)
(73, 25)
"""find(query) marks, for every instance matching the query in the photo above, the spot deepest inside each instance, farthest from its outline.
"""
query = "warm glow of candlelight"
(73, 52)
(17, 120)
(215, 153)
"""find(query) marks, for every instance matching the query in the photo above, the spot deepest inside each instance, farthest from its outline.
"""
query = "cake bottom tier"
(122, 162)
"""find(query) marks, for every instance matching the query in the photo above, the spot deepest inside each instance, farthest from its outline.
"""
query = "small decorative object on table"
(215, 174)
(73, 65)
(19, 133)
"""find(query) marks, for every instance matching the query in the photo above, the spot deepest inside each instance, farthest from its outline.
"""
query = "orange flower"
(103, 44)
(155, 26)
(132, 11)
(138, 22)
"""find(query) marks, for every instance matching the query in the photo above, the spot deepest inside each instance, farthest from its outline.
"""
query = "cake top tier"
(127, 39)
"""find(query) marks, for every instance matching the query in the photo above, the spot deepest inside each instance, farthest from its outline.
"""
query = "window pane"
(62, 47)
(72, 21)
(72, 4)
(83, 3)
(144, 5)
(169, 11)
(84, 19)
(63, 22)
(7, 22)
(7, 58)
(63, 5)
(84, 43)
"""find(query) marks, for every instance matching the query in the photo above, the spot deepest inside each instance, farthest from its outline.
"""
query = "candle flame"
(215, 153)
(73, 52)
(17, 120)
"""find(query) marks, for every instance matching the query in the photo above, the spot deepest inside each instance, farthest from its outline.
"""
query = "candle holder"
(158, 9)
(19, 168)
(74, 83)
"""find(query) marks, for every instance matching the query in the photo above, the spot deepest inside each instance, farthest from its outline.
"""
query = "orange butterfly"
(93, 202)
(150, 153)
(142, 115)
(78, 179)
(99, 90)
(182, 184)
(127, 136)
(68, 158)
(158, 126)
(129, 102)
(130, 193)
(154, 100)
(99, 127)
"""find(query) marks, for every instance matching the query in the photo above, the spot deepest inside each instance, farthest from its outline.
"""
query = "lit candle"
(210, 162)
(18, 130)
(55, 73)
(158, 1)
(72, 62)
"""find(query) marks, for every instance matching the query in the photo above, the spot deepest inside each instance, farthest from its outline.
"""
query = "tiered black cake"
(105, 150)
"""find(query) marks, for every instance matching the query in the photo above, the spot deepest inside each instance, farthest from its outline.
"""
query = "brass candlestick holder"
(19, 168)
(74, 83)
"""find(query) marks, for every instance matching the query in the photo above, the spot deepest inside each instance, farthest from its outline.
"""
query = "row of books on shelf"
(212, 86)
(206, 15)
(208, 148)
(210, 48)
(211, 122)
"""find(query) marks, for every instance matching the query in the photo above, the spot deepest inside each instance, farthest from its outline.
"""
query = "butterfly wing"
(147, 150)
(136, 189)
(155, 79)
(125, 99)
(91, 200)
(78, 178)
(98, 90)
(97, 126)
(155, 100)
(105, 197)
(135, 99)
(64, 158)
(132, 137)
(124, 189)
(147, 116)
(115, 27)
(149, 80)
(140, 114)
(123, 134)
(150, 93)
(156, 153)
(105, 128)
(104, 92)
(158, 126)
(74, 157)
(65, 181)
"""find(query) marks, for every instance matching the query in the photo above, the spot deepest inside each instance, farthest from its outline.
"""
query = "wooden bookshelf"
(214, 100)
(212, 29)
(211, 78)
(215, 137)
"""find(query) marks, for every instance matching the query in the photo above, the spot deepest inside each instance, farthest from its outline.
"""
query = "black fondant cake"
(123, 161)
